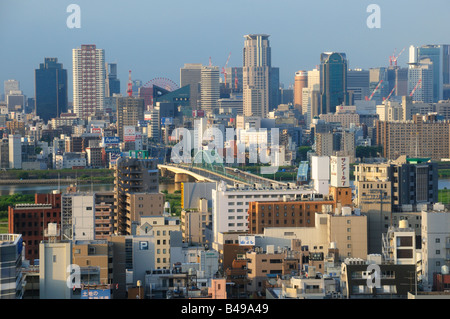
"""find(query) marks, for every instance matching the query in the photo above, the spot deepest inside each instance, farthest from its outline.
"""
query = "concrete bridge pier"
(182, 178)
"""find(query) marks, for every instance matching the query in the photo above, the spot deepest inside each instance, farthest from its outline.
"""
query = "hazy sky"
(155, 38)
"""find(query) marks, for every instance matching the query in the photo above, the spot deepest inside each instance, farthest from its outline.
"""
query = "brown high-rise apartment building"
(424, 136)
(132, 175)
(300, 82)
(88, 80)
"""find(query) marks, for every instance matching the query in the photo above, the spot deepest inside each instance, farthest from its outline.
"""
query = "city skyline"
(177, 34)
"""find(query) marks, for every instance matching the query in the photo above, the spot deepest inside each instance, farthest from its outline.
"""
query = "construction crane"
(388, 97)
(130, 84)
(224, 71)
(393, 58)
(374, 91)
(419, 83)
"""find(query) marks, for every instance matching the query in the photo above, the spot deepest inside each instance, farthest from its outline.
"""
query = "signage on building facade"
(339, 171)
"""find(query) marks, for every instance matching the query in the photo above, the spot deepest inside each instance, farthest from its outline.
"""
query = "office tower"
(300, 82)
(11, 85)
(50, 89)
(234, 79)
(256, 69)
(132, 175)
(15, 101)
(398, 81)
(88, 81)
(112, 82)
(420, 81)
(333, 81)
(275, 92)
(358, 83)
(130, 110)
(154, 127)
(190, 75)
(378, 84)
(209, 88)
(11, 250)
(440, 57)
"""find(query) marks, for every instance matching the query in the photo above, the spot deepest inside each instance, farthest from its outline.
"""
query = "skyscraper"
(11, 85)
(88, 80)
(358, 83)
(440, 57)
(333, 81)
(256, 68)
(300, 82)
(50, 89)
(209, 88)
(112, 82)
(421, 77)
(190, 75)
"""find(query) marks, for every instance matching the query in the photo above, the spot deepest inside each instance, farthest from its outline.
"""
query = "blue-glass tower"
(333, 81)
(50, 89)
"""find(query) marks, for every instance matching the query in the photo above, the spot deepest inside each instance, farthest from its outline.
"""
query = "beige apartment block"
(162, 227)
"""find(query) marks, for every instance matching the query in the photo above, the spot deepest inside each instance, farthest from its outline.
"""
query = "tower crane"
(224, 71)
(374, 91)
(393, 58)
(393, 89)
(419, 83)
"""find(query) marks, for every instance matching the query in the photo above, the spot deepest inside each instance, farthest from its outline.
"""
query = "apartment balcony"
(105, 213)
(104, 229)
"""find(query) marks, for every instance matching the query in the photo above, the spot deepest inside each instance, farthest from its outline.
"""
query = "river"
(45, 188)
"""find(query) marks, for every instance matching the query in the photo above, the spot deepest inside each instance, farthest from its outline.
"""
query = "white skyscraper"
(88, 80)
(210, 88)
(256, 68)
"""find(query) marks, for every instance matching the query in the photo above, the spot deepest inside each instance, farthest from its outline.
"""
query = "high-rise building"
(333, 81)
(15, 151)
(300, 82)
(209, 88)
(378, 84)
(88, 80)
(440, 57)
(422, 71)
(130, 110)
(275, 91)
(112, 82)
(358, 83)
(10, 85)
(190, 75)
(50, 89)
(256, 69)
(132, 175)
(412, 138)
